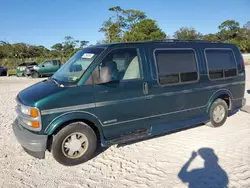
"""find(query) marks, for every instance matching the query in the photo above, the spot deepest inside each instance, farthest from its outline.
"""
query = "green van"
(122, 92)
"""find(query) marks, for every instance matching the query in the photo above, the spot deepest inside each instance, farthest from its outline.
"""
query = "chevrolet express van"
(122, 92)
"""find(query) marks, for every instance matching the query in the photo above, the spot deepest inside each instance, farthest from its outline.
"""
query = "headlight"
(29, 117)
(36, 67)
(25, 110)
(33, 124)
(33, 112)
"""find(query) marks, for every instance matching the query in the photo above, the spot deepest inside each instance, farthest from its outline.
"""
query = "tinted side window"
(176, 66)
(55, 62)
(220, 63)
(47, 64)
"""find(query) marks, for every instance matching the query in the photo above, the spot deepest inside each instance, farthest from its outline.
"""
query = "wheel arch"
(224, 94)
(35, 71)
(63, 120)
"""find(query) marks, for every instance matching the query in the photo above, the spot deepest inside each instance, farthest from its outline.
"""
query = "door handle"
(145, 88)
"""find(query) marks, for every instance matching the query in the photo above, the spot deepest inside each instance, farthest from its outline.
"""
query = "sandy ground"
(152, 163)
(246, 59)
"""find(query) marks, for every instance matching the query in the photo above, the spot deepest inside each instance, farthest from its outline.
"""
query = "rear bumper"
(33, 144)
(243, 102)
(237, 104)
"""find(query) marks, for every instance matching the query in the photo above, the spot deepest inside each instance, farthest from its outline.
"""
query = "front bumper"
(27, 72)
(20, 74)
(33, 144)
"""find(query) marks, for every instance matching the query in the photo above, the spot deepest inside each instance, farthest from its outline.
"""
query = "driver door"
(120, 95)
(46, 68)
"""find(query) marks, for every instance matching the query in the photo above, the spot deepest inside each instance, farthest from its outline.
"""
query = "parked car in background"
(21, 68)
(46, 68)
(3, 71)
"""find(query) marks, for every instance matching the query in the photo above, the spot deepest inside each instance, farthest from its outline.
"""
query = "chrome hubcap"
(75, 145)
(218, 113)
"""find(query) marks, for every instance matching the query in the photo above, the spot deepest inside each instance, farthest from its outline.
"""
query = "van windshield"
(74, 68)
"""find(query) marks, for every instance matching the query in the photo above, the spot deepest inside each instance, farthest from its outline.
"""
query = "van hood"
(37, 92)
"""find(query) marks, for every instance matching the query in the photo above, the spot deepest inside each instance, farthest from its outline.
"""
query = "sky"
(46, 22)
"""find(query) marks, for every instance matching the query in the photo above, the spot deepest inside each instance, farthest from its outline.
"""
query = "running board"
(132, 136)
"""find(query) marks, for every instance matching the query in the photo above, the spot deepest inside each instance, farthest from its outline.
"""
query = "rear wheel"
(218, 113)
(74, 144)
(35, 74)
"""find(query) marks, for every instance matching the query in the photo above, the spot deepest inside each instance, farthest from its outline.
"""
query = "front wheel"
(74, 144)
(35, 74)
(218, 113)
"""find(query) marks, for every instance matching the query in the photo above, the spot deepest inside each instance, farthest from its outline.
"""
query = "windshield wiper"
(56, 82)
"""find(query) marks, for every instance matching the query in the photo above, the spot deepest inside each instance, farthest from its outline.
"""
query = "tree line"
(13, 54)
(124, 26)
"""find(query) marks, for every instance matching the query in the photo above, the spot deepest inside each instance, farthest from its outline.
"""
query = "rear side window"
(47, 63)
(220, 63)
(176, 66)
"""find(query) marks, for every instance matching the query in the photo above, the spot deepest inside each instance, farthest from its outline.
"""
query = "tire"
(218, 118)
(63, 139)
(35, 74)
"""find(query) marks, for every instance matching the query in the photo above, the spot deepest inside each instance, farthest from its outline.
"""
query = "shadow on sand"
(211, 175)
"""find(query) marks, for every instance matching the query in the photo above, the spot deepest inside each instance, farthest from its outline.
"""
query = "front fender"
(76, 115)
(216, 95)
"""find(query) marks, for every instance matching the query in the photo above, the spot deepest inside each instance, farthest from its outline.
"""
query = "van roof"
(163, 41)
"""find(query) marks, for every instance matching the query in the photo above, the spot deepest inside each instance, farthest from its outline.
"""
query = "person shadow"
(211, 176)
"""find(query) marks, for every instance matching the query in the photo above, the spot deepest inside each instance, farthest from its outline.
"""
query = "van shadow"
(101, 149)
(211, 175)
(149, 137)
(98, 151)
(146, 138)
